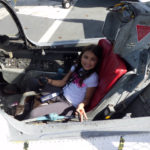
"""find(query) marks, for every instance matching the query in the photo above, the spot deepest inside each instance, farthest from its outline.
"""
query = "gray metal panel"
(127, 44)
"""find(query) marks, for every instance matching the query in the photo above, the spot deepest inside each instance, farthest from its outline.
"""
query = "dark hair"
(97, 50)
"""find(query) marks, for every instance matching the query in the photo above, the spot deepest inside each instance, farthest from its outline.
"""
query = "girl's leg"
(60, 108)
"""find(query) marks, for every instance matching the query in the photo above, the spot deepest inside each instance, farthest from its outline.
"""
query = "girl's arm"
(80, 109)
(60, 83)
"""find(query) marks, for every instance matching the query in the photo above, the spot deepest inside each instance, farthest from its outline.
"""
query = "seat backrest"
(111, 69)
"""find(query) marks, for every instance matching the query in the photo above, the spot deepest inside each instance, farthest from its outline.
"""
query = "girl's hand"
(81, 112)
(49, 81)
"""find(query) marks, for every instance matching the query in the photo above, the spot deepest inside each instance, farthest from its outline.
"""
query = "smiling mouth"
(86, 66)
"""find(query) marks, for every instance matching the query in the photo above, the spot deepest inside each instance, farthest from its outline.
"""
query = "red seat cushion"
(111, 69)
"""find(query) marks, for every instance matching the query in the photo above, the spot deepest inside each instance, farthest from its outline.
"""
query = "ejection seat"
(111, 69)
(112, 66)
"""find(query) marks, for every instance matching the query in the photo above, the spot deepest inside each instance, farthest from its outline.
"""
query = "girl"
(78, 85)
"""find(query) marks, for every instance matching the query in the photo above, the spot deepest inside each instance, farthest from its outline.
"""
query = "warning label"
(142, 31)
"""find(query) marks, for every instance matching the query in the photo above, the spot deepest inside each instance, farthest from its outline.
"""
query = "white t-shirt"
(75, 93)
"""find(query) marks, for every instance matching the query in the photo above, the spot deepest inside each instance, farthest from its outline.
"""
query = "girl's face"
(88, 60)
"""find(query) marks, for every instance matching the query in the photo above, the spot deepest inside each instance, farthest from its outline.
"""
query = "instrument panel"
(49, 63)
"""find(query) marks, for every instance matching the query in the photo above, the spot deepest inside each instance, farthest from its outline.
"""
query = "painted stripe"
(52, 29)
(53, 10)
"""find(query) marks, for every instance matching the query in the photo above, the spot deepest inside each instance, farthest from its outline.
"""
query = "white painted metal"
(144, 0)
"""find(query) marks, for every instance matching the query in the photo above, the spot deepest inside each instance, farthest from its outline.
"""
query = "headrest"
(106, 45)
